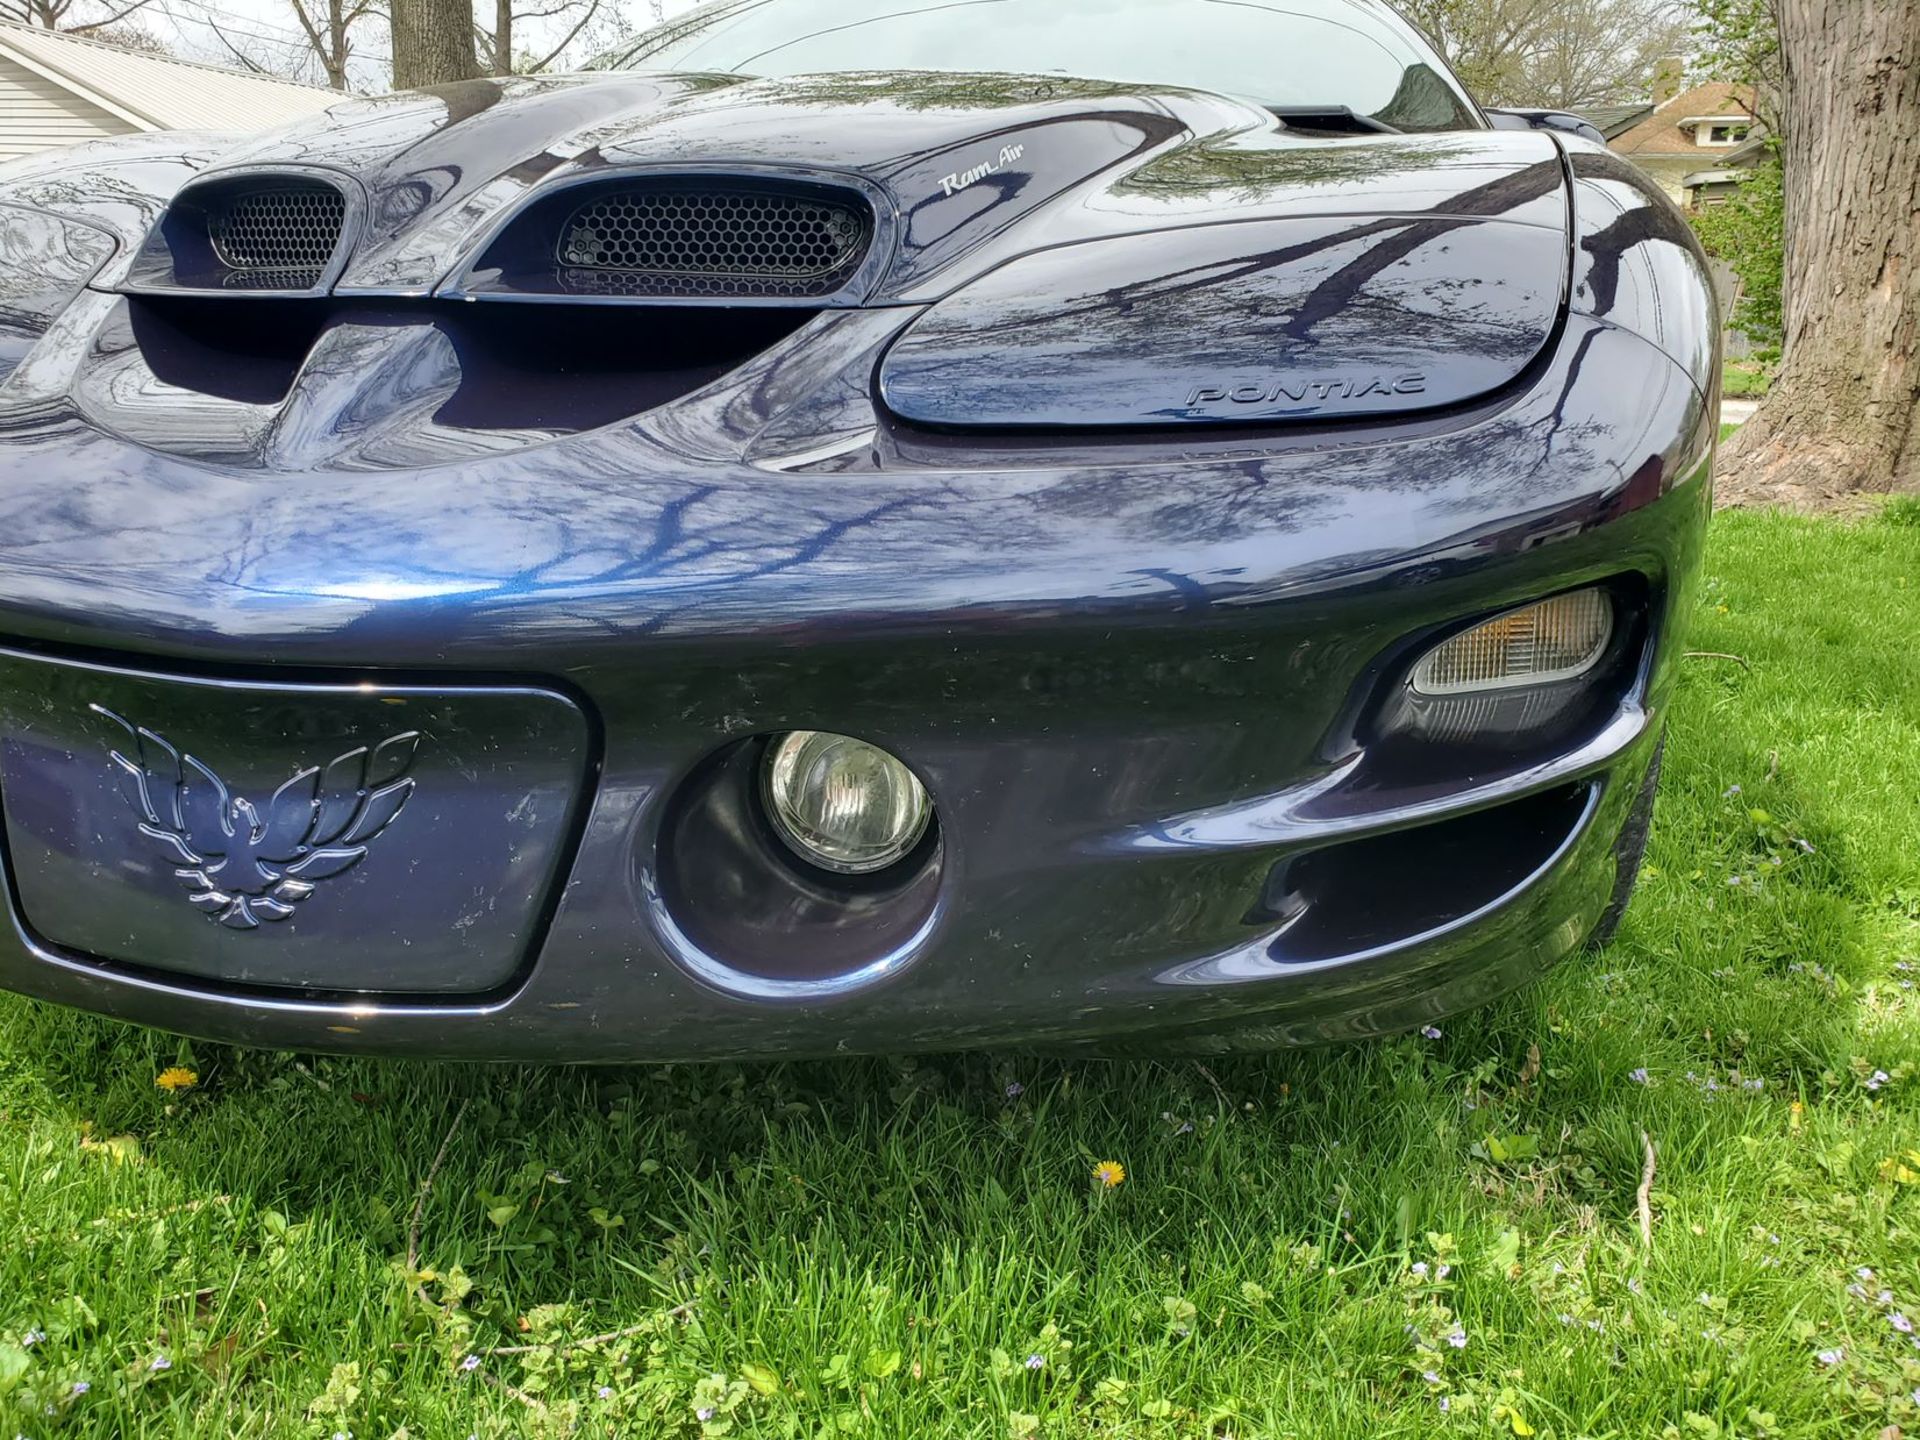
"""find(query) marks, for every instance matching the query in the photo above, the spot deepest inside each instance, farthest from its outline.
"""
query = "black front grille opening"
(1393, 888)
(553, 368)
(683, 238)
(278, 235)
(247, 352)
(710, 241)
(568, 368)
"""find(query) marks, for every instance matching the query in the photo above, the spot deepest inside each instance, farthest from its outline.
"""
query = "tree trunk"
(335, 59)
(1842, 416)
(432, 43)
(503, 37)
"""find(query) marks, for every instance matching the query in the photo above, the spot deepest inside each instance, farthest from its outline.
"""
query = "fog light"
(1557, 639)
(841, 803)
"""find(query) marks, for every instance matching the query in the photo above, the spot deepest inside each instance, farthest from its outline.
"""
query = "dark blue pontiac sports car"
(860, 525)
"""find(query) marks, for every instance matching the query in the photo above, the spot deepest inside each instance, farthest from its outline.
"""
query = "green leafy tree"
(1748, 231)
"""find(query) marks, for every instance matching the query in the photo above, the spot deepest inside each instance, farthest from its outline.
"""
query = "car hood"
(978, 167)
(1053, 252)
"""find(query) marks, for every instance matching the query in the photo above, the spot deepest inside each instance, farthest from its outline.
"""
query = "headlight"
(841, 803)
(1556, 639)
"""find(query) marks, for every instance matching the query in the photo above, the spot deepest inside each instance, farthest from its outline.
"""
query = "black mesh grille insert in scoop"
(676, 238)
(278, 235)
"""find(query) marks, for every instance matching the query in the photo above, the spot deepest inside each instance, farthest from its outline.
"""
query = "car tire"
(1629, 849)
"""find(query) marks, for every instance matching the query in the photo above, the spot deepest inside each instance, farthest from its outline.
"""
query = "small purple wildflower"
(1831, 1357)
(1430, 1032)
(1638, 1075)
(1036, 1362)
(605, 1392)
(32, 1338)
(1863, 1273)
(1885, 1297)
(160, 1362)
(703, 1414)
(1015, 1090)
(1900, 1322)
(1877, 1079)
(1445, 1404)
(1730, 792)
(1443, 1272)
(80, 1387)
(1566, 1319)
(470, 1364)
(1432, 1377)
(1457, 1338)
(1419, 1268)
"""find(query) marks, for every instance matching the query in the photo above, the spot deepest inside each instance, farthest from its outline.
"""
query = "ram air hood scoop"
(973, 169)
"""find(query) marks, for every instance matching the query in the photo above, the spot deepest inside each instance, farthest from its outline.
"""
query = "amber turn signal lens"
(1556, 639)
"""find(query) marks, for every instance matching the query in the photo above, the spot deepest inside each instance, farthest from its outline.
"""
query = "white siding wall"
(36, 114)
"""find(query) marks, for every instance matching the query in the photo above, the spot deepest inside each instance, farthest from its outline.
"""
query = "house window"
(1730, 133)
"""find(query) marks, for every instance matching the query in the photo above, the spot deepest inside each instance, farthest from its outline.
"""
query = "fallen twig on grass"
(1739, 660)
(1643, 1197)
(426, 1188)
(1226, 1100)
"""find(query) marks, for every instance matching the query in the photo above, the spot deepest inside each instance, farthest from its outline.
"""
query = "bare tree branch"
(114, 19)
(245, 59)
(593, 8)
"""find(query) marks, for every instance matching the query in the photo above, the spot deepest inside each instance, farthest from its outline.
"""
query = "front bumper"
(1130, 681)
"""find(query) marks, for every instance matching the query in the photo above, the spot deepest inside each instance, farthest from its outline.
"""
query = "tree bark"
(432, 43)
(1841, 419)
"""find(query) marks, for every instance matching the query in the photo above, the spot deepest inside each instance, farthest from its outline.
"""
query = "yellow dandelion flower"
(176, 1078)
(1109, 1173)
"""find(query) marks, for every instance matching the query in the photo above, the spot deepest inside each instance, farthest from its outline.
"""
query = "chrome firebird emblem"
(238, 868)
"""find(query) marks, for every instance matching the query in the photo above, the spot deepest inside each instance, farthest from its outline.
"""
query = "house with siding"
(58, 89)
(1695, 141)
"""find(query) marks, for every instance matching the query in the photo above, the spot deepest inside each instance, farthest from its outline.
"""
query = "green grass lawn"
(1423, 1236)
(1745, 379)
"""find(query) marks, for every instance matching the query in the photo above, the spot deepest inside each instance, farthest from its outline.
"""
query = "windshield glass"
(1312, 55)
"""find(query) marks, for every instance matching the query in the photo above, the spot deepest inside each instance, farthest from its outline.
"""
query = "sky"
(269, 34)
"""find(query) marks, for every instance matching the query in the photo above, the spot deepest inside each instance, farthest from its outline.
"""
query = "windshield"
(1300, 55)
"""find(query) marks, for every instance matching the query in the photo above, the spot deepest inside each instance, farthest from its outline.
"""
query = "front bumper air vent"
(284, 232)
(278, 234)
(712, 240)
(681, 238)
